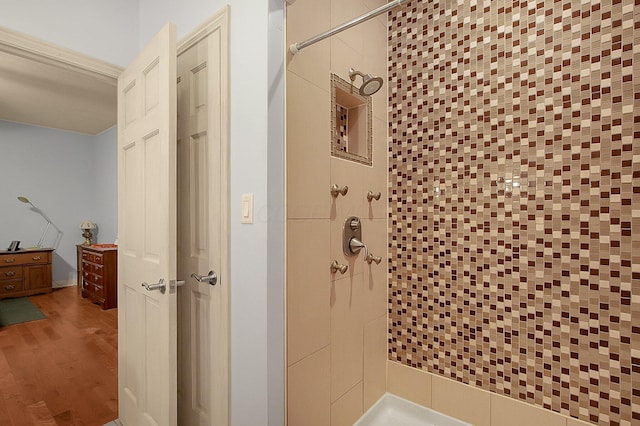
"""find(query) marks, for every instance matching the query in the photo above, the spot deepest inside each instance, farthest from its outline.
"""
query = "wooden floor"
(61, 370)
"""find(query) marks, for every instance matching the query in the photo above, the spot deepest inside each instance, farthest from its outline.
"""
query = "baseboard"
(64, 283)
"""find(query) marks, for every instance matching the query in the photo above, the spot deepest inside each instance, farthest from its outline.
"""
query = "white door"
(147, 321)
(203, 346)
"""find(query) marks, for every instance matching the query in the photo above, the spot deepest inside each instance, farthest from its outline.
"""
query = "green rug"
(15, 311)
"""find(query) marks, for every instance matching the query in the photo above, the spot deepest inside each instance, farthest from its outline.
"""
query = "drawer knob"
(9, 287)
(36, 258)
(10, 273)
(9, 260)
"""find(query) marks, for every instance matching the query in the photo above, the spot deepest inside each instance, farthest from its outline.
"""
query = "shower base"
(392, 410)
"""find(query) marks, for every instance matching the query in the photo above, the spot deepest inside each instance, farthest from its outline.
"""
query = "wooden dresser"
(98, 269)
(25, 272)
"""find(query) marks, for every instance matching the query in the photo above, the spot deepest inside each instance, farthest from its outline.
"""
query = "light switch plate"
(247, 208)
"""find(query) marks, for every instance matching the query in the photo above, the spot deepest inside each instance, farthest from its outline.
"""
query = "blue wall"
(107, 30)
(105, 186)
(61, 173)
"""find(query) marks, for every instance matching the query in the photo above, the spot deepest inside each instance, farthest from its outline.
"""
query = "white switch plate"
(247, 208)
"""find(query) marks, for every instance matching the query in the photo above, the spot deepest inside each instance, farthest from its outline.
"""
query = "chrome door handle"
(160, 285)
(212, 278)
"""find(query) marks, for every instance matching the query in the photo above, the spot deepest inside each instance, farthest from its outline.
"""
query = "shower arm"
(296, 47)
(353, 73)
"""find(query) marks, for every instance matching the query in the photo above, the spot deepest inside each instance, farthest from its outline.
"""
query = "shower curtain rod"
(296, 47)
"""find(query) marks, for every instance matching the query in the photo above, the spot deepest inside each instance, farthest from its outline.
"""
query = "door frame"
(221, 387)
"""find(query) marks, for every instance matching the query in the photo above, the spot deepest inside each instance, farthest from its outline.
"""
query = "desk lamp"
(46, 229)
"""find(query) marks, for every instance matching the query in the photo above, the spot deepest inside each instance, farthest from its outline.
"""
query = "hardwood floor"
(62, 370)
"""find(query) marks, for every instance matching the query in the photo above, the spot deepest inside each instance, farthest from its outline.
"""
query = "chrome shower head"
(370, 84)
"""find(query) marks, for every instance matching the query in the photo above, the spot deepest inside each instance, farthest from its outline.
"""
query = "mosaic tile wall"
(342, 140)
(514, 193)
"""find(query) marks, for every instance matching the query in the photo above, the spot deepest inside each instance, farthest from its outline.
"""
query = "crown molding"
(28, 47)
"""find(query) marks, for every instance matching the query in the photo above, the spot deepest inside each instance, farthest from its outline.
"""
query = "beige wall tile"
(310, 173)
(409, 383)
(348, 408)
(343, 11)
(346, 335)
(345, 172)
(507, 411)
(308, 150)
(375, 289)
(308, 287)
(375, 177)
(461, 401)
(309, 390)
(375, 63)
(375, 360)
(306, 19)
(576, 422)
(344, 57)
(374, 4)
(348, 173)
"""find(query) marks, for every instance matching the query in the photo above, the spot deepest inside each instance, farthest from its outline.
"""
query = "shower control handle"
(351, 230)
(336, 190)
(371, 196)
(355, 245)
(371, 258)
(335, 267)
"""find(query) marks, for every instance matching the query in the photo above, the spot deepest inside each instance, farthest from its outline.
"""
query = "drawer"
(93, 278)
(92, 267)
(24, 258)
(93, 290)
(92, 256)
(98, 269)
(11, 286)
(98, 290)
(10, 272)
(97, 279)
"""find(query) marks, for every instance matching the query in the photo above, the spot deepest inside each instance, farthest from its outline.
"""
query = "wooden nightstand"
(98, 274)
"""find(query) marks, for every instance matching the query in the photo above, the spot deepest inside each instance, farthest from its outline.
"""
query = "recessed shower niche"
(350, 122)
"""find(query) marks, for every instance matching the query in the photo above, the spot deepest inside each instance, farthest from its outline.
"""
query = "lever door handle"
(211, 278)
(160, 285)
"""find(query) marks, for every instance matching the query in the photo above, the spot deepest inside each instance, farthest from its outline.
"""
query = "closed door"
(203, 343)
(147, 314)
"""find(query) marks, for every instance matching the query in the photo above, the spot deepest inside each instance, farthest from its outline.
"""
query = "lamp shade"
(87, 224)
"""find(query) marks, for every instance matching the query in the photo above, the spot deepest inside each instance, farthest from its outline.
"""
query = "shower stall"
(505, 148)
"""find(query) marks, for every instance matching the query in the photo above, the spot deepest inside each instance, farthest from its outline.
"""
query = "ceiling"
(45, 85)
